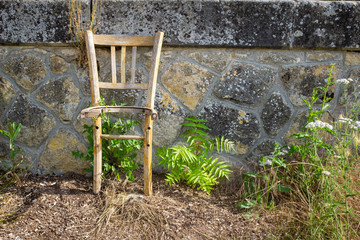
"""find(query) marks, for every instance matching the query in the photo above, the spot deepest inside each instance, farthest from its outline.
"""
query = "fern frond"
(223, 144)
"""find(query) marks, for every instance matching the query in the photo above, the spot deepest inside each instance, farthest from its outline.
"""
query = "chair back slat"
(124, 86)
(113, 65)
(93, 72)
(114, 41)
(122, 64)
(133, 65)
(118, 40)
(154, 69)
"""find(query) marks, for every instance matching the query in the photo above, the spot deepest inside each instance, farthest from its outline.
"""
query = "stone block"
(62, 96)
(171, 115)
(300, 80)
(266, 148)
(298, 125)
(57, 157)
(84, 80)
(275, 114)
(210, 23)
(332, 24)
(216, 59)
(350, 93)
(36, 121)
(352, 58)
(27, 71)
(280, 57)
(321, 56)
(7, 92)
(44, 21)
(58, 64)
(245, 83)
(188, 82)
(237, 125)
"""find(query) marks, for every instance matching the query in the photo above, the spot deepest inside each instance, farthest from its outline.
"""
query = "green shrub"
(117, 154)
(190, 163)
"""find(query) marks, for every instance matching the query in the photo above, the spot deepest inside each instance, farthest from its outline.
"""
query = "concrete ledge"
(269, 24)
(36, 21)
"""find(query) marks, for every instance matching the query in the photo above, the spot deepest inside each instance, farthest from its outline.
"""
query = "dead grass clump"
(134, 214)
(10, 205)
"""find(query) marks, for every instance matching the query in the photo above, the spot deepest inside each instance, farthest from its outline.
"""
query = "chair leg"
(148, 155)
(97, 156)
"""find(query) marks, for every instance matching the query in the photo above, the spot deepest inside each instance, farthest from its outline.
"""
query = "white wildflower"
(354, 127)
(319, 124)
(327, 173)
(345, 81)
(356, 124)
(267, 161)
(344, 120)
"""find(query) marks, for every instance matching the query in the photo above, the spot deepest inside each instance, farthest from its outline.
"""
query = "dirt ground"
(54, 207)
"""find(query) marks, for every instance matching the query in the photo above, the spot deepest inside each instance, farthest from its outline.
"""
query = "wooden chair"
(113, 41)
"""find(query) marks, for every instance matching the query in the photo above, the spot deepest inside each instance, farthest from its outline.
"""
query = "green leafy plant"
(15, 160)
(317, 174)
(117, 154)
(264, 187)
(191, 163)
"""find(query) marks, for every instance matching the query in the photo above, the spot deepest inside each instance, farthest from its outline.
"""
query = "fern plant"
(191, 163)
(117, 154)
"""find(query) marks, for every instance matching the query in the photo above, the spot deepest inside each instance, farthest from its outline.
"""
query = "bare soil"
(64, 207)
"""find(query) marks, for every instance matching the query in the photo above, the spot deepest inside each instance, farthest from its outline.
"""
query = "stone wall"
(243, 70)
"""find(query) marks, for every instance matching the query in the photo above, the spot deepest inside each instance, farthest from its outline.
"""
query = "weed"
(191, 163)
(15, 158)
(117, 154)
(77, 27)
(317, 177)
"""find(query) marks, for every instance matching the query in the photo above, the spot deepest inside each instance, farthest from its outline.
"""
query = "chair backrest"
(124, 42)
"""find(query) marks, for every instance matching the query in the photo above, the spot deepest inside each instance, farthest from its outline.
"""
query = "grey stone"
(58, 64)
(145, 58)
(188, 82)
(79, 125)
(36, 122)
(62, 96)
(127, 97)
(243, 23)
(4, 154)
(352, 58)
(166, 130)
(275, 114)
(350, 93)
(57, 157)
(7, 92)
(27, 71)
(216, 59)
(300, 81)
(236, 125)
(321, 56)
(84, 80)
(245, 83)
(171, 115)
(280, 57)
(266, 148)
(27, 162)
(327, 24)
(3, 53)
(26, 21)
(298, 125)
